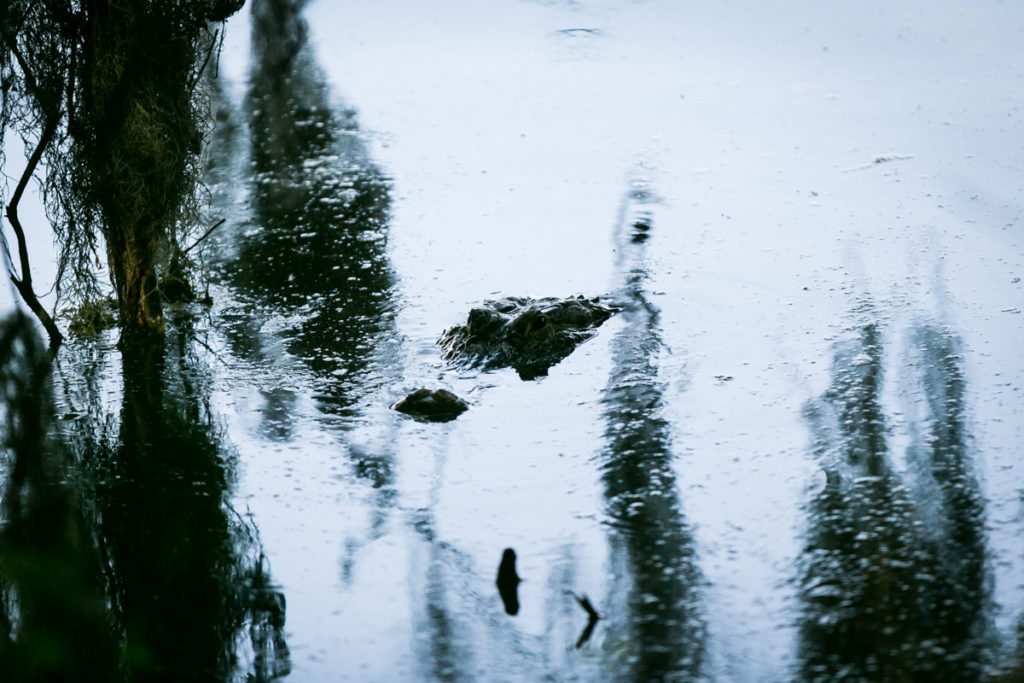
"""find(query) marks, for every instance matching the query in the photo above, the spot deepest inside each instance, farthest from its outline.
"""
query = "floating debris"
(592, 618)
(508, 582)
(880, 159)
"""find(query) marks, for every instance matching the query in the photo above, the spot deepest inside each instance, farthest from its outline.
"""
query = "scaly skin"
(530, 335)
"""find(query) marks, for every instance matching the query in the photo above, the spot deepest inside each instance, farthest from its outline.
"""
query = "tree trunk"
(139, 134)
(131, 251)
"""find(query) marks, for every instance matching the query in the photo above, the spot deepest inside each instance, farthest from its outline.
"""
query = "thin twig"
(12, 45)
(206, 60)
(204, 236)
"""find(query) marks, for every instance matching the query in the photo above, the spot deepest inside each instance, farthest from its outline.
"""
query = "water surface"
(793, 455)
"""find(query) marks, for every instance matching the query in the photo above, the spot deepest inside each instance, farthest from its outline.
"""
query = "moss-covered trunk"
(131, 250)
(141, 135)
(112, 91)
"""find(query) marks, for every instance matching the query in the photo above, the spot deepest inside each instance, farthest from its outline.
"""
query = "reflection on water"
(307, 264)
(186, 572)
(664, 631)
(314, 252)
(125, 561)
(894, 582)
(592, 618)
(946, 480)
(55, 621)
(445, 655)
(1014, 672)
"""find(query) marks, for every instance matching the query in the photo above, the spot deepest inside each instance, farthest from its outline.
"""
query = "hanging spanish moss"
(109, 99)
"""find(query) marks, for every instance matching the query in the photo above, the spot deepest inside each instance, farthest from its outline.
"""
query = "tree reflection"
(1013, 672)
(315, 250)
(894, 584)
(943, 454)
(55, 623)
(186, 572)
(126, 561)
(665, 628)
(445, 656)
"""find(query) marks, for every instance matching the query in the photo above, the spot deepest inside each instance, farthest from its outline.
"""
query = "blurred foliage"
(55, 623)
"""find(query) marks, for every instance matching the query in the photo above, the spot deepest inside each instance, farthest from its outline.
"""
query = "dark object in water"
(530, 335)
(508, 581)
(592, 618)
(437, 405)
(641, 230)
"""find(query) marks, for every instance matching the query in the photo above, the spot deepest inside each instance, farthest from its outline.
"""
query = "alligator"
(529, 335)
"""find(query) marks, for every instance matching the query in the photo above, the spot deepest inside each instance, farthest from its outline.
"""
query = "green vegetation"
(92, 317)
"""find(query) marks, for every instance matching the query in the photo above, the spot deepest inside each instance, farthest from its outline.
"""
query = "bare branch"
(204, 236)
(24, 283)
